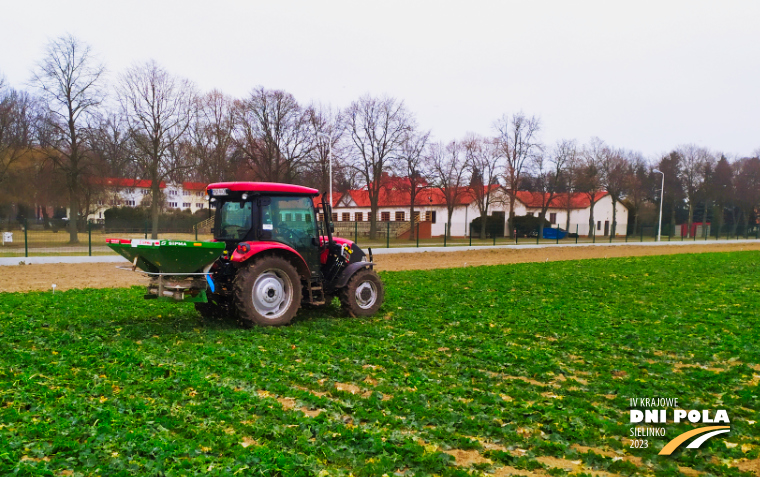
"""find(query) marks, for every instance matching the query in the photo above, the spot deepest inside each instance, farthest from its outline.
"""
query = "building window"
(307, 217)
(553, 218)
(530, 214)
(385, 216)
(185, 192)
(288, 217)
(172, 205)
(172, 192)
(199, 206)
(359, 216)
(599, 225)
(430, 216)
(185, 205)
(400, 216)
(321, 217)
(199, 194)
(130, 203)
(334, 216)
(346, 217)
(145, 191)
(100, 202)
(416, 217)
(130, 191)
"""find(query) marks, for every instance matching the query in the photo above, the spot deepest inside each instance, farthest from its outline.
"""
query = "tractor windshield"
(235, 220)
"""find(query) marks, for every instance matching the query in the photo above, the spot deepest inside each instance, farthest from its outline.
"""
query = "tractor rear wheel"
(267, 292)
(363, 294)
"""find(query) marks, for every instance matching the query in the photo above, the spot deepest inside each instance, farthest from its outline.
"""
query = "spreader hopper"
(178, 269)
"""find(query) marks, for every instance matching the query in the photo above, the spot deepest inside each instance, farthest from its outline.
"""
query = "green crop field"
(525, 369)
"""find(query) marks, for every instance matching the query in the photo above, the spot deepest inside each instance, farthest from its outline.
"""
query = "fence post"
(494, 237)
(516, 237)
(576, 234)
(670, 235)
(146, 229)
(593, 234)
(89, 238)
(642, 233)
(445, 233)
(356, 231)
(26, 238)
(196, 231)
(388, 234)
(470, 235)
(418, 235)
(538, 235)
(557, 234)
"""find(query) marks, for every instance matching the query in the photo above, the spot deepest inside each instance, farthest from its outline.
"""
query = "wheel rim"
(366, 295)
(272, 294)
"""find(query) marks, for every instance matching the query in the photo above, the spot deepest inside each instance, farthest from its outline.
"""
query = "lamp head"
(658, 171)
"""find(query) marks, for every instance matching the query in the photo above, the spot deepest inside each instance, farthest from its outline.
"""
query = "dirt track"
(105, 275)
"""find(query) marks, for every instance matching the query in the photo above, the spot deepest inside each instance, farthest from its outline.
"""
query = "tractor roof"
(273, 187)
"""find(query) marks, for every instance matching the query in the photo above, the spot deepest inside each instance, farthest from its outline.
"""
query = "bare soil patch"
(23, 278)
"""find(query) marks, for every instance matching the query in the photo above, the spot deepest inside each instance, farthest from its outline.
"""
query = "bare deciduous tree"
(518, 138)
(411, 160)
(485, 160)
(326, 128)
(69, 80)
(211, 137)
(449, 168)
(614, 171)
(590, 177)
(158, 109)
(273, 135)
(377, 128)
(693, 160)
(18, 125)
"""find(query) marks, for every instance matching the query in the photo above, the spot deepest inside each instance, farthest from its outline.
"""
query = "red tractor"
(278, 254)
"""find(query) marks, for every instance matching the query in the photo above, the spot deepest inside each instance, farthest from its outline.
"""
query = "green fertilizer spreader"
(179, 270)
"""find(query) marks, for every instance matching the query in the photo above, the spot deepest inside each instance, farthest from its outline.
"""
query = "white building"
(120, 192)
(430, 205)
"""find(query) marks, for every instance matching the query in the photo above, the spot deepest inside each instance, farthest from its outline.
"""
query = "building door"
(606, 228)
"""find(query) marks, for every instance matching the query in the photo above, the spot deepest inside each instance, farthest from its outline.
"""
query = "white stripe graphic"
(699, 441)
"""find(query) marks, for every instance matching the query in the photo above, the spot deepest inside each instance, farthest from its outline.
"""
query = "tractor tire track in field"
(23, 278)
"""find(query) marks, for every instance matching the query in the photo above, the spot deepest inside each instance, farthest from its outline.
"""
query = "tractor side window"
(235, 220)
(291, 220)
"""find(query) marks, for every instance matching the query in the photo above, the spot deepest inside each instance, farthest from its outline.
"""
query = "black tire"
(363, 295)
(267, 292)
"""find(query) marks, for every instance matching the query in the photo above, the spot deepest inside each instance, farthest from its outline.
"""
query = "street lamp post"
(662, 193)
(329, 158)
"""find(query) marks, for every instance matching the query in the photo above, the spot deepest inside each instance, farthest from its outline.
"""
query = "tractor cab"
(267, 212)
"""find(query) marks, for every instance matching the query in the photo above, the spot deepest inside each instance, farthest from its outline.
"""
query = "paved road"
(377, 251)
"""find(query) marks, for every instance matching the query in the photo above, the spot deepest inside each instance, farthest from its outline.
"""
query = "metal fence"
(31, 239)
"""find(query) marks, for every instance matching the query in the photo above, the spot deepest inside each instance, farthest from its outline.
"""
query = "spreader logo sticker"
(136, 242)
(665, 411)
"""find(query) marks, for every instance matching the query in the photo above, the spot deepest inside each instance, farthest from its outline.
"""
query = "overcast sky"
(640, 75)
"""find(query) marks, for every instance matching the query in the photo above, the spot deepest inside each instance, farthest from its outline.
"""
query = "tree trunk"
(614, 217)
(373, 221)
(591, 220)
(412, 230)
(511, 221)
(73, 216)
(690, 220)
(154, 209)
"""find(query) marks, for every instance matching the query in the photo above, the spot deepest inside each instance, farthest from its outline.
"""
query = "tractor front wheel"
(363, 294)
(268, 292)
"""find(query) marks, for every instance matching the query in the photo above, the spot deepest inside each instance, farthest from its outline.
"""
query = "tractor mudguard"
(246, 250)
(349, 272)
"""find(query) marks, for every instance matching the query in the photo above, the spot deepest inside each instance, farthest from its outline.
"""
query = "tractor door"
(291, 220)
